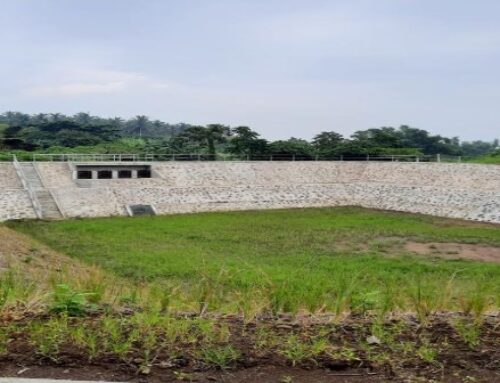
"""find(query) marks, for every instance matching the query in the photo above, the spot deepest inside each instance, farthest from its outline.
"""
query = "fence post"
(459, 158)
(271, 158)
(368, 157)
(438, 157)
(293, 157)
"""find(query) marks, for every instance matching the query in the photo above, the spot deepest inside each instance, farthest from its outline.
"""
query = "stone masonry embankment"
(467, 191)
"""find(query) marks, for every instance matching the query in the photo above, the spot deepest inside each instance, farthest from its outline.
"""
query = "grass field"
(184, 297)
(341, 259)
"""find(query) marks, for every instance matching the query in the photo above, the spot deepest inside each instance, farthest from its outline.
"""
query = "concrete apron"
(25, 380)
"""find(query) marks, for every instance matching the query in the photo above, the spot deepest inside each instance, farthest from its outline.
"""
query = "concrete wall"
(14, 201)
(466, 191)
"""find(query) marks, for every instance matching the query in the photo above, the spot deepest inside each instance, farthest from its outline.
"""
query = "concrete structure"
(467, 191)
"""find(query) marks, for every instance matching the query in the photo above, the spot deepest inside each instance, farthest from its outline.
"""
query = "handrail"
(26, 185)
(148, 157)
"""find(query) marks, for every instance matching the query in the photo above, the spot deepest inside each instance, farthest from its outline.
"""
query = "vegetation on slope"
(342, 259)
(310, 288)
(493, 158)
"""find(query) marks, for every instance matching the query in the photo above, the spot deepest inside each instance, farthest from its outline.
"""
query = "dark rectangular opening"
(104, 174)
(124, 173)
(144, 173)
(84, 174)
(141, 210)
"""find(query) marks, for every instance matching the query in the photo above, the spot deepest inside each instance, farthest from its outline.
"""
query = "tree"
(207, 137)
(138, 125)
(82, 118)
(385, 137)
(478, 148)
(15, 118)
(325, 142)
(246, 142)
(292, 146)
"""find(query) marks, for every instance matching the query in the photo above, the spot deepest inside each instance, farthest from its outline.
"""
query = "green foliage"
(493, 158)
(70, 302)
(219, 356)
(284, 260)
(48, 336)
(47, 132)
(469, 331)
(297, 350)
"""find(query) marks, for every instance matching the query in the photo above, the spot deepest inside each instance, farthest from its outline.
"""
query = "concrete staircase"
(48, 206)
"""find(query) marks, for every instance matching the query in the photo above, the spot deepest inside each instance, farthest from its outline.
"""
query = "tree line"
(83, 132)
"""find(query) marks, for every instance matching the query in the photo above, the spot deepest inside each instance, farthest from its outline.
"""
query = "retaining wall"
(466, 191)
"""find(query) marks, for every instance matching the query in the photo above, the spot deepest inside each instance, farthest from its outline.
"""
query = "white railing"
(132, 157)
(26, 185)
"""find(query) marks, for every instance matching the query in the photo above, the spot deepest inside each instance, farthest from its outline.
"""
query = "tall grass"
(315, 260)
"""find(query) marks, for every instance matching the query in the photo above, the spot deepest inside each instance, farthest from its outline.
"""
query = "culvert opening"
(144, 173)
(104, 174)
(125, 174)
(138, 210)
(84, 174)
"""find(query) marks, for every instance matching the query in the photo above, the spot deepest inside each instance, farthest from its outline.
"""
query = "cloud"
(76, 89)
(80, 82)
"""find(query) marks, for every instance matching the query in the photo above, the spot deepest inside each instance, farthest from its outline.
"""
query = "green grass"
(486, 159)
(333, 258)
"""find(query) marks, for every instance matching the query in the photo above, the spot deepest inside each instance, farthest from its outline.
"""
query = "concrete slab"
(26, 380)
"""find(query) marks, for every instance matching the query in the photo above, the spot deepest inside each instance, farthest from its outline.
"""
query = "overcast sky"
(285, 68)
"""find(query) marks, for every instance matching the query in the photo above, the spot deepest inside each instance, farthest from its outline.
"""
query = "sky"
(285, 68)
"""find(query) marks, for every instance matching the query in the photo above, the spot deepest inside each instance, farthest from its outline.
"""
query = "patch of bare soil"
(450, 250)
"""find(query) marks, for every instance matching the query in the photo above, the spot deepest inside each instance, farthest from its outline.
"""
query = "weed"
(427, 353)
(88, 338)
(48, 336)
(68, 301)
(297, 351)
(220, 357)
(468, 331)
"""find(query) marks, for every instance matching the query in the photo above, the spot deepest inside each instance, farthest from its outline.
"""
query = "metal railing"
(26, 185)
(129, 157)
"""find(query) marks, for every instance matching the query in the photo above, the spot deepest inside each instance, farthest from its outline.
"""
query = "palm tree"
(139, 125)
(208, 136)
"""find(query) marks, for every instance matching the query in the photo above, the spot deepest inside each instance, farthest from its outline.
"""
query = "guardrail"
(26, 185)
(124, 157)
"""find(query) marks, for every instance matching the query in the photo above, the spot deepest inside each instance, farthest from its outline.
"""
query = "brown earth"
(455, 360)
(451, 250)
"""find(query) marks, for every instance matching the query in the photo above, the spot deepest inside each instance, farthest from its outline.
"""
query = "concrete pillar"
(134, 173)
(94, 174)
(114, 174)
